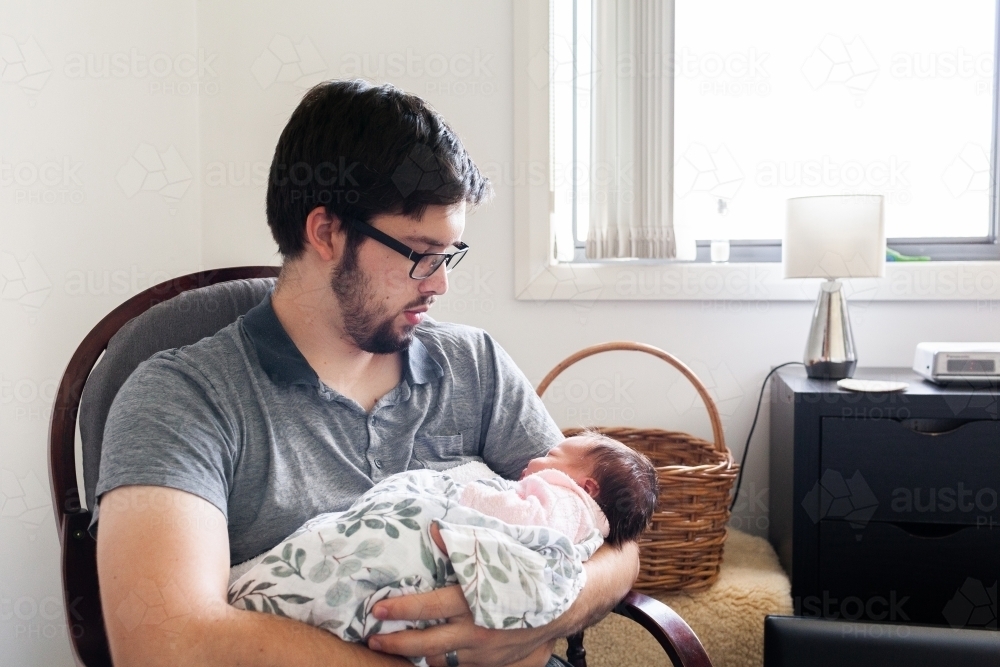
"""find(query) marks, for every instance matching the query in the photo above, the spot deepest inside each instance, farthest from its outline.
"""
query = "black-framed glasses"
(424, 263)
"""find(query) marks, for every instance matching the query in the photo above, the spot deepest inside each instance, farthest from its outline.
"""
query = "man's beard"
(370, 327)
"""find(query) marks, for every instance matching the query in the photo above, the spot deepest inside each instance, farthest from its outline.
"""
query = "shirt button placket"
(373, 442)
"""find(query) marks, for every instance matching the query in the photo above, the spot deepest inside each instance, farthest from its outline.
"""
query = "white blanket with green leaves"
(333, 569)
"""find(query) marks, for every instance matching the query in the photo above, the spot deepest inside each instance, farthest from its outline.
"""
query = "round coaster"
(871, 385)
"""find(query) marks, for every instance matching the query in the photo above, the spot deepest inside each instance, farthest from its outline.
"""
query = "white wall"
(74, 261)
(74, 243)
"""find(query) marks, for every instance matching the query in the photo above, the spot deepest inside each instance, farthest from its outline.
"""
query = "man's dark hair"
(628, 485)
(362, 150)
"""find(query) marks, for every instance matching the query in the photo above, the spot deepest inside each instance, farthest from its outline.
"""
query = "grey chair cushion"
(185, 319)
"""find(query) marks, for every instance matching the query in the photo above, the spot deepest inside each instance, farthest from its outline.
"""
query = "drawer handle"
(929, 530)
(933, 426)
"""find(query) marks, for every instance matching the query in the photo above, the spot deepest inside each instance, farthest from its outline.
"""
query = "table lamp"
(836, 236)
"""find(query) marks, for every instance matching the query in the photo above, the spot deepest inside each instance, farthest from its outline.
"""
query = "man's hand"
(475, 645)
(610, 574)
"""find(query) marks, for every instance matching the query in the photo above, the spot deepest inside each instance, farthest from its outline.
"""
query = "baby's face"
(569, 456)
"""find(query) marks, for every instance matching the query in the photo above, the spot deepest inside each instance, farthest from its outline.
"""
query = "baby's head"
(622, 481)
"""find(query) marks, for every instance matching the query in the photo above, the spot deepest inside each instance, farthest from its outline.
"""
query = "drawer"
(899, 474)
(907, 573)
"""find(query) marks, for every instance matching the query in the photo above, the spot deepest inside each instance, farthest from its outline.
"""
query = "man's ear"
(591, 486)
(324, 234)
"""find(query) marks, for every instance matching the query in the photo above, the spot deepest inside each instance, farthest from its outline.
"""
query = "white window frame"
(538, 277)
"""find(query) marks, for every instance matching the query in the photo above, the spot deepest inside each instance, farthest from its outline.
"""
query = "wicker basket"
(682, 549)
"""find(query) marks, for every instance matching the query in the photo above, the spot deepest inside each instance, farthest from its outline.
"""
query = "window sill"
(689, 281)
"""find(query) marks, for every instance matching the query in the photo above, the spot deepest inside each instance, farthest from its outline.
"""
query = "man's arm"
(610, 574)
(163, 564)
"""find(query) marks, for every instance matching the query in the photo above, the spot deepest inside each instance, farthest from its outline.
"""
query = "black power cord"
(743, 459)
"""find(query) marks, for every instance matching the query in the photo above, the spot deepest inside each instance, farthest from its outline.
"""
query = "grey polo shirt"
(241, 420)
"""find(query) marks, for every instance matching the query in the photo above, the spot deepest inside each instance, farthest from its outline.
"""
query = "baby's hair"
(628, 485)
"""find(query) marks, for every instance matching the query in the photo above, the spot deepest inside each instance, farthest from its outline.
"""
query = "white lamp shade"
(836, 236)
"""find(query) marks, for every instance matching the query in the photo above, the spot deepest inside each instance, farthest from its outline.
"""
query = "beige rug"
(728, 617)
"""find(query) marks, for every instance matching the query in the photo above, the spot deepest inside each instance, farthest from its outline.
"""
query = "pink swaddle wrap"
(546, 498)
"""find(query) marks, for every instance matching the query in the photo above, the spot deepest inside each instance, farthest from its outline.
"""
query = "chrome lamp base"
(830, 351)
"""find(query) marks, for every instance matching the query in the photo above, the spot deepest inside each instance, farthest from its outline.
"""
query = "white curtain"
(632, 155)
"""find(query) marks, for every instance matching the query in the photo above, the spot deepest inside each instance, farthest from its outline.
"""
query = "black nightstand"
(884, 507)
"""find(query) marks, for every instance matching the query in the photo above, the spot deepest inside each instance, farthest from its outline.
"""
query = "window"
(763, 101)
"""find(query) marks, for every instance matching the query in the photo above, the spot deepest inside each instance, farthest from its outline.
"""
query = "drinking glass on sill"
(720, 250)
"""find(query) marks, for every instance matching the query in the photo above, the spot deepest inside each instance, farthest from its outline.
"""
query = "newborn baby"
(516, 548)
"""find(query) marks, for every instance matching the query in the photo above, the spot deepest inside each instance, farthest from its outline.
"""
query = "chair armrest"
(674, 635)
(81, 592)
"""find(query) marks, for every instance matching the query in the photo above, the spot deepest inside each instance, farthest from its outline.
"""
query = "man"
(215, 452)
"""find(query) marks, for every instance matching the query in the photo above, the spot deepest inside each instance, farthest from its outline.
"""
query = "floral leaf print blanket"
(333, 569)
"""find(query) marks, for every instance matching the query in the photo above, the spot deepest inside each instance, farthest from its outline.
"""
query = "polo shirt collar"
(285, 365)
(419, 366)
(278, 356)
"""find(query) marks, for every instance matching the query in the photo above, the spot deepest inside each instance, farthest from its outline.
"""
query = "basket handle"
(713, 411)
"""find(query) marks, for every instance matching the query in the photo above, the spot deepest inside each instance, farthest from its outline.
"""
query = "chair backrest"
(185, 319)
(792, 641)
(175, 313)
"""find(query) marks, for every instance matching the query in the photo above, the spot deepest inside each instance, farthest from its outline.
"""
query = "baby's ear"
(591, 486)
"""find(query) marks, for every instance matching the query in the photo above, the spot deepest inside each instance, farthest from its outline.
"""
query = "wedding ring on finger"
(451, 658)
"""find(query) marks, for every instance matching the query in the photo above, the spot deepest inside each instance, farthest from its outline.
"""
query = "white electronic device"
(942, 363)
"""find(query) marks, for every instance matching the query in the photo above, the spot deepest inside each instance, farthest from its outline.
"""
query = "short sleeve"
(516, 425)
(166, 427)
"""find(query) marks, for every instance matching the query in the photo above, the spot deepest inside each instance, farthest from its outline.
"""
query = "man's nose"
(436, 283)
